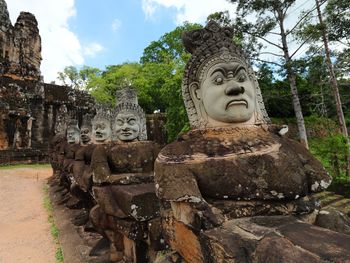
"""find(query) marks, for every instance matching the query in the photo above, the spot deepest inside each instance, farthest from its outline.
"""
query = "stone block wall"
(22, 99)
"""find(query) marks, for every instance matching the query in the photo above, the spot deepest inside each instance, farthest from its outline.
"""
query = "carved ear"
(195, 91)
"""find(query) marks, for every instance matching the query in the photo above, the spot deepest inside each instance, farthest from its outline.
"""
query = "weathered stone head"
(219, 86)
(86, 129)
(73, 132)
(129, 119)
(101, 125)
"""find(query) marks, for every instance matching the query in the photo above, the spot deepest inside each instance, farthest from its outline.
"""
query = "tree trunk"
(292, 83)
(334, 84)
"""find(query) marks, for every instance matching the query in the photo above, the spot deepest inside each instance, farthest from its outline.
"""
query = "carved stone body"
(125, 194)
(234, 181)
(246, 163)
(127, 207)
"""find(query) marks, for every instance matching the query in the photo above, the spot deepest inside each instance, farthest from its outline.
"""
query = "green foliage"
(338, 20)
(77, 79)
(169, 47)
(342, 64)
(332, 152)
(222, 18)
(59, 255)
(157, 78)
(16, 166)
(53, 228)
(103, 87)
(341, 185)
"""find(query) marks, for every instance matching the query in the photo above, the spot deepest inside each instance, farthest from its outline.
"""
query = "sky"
(105, 32)
(110, 32)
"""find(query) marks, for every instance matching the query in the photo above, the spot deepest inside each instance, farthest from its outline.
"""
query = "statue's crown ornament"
(127, 102)
(87, 119)
(212, 34)
(208, 46)
(73, 124)
(103, 112)
(127, 95)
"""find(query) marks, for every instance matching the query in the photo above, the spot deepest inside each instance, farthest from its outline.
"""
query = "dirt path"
(24, 229)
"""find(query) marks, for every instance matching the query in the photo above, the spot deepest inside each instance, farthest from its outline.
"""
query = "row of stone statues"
(222, 192)
(107, 165)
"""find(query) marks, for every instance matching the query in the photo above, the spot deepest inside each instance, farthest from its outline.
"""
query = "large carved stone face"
(101, 130)
(127, 126)
(72, 135)
(226, 94)
(85, 135)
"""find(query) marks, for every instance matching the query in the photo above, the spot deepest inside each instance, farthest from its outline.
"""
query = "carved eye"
(132, 122)
(218, 80)
(241, 77)
(119, 122)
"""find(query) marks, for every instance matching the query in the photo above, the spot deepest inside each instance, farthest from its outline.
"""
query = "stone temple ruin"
(232, 189)
(29, 108)
(31, 111)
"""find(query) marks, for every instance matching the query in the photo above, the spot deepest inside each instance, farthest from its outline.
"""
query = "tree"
(333, 79)
(164, 61)
(271, 16)
(77, 79)
(247, 42)
(319, 31)
(69, 76)
(168, 47)
(338, 19)
(103, 87)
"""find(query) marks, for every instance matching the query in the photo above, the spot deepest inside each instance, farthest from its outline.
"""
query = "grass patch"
(59, 255)
(53, 227)
(15, 166)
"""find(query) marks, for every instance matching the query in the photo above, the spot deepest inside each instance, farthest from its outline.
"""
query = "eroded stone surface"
(234, 164)
(20, 45)
(247, 163)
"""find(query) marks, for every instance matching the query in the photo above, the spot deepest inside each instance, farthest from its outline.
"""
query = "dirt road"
(24, 229)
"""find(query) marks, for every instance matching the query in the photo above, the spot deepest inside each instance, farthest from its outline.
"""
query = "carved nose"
(125, 127)
(234, 89)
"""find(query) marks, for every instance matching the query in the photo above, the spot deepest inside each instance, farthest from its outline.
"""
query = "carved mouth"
(237, 102)
(126, 134)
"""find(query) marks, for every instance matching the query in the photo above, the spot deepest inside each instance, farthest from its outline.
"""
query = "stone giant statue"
(123, 182)
(82, 173)
(232, 163)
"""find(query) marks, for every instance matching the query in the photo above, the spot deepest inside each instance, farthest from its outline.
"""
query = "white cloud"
(195, 11)
(116, 24)
(149, 8)
(60, 46)
(92, 49)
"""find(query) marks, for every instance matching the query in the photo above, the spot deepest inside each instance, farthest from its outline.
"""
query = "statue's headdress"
(73, 124)
(208, 46)
(127, 101)
(103, 112)
(86, 123)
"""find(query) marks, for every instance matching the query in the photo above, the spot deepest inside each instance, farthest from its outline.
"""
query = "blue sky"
(110, 32)
(106, 32)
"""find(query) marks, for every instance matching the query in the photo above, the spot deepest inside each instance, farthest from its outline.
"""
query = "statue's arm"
(176, 182)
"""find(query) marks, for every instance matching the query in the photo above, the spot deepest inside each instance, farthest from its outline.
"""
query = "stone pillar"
(3, 135)
(37, 129)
